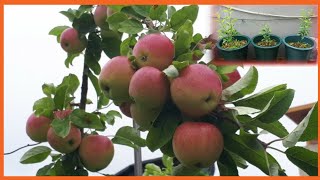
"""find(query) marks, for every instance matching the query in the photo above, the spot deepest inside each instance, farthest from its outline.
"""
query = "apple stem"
(28, 145)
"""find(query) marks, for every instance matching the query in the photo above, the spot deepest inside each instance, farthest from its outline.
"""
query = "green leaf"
(260, 99)
(240, 162)
(128, 136)
(181, 16)
(84, 24)
(185, 57)
(56, 31)
(275, 128)
(35, 155)
(311, 131)
(197, 38)
(180, 65)
(305, 159)
(48, 89)
(55, 157)
(83, 119)
(70, 14)
(182, 43)
(44, 107)
(132, 13)
(111, 49)
(306, 130)
(102, 101)
(242, 110)
(61, 127)
(246, 85)
(182, 170)
(248, 148)
(130, 26)
(93, 53)
(44, 171)
(115, 19)
(158, 12)
(171, 11)
(187, 26)
(171, 71)
(69, 59)
(116, 8)
(227, 166)
(226, 69)
(142, 10)
(111, 115)
(60, 97)
(85, 8)
(72, 82)
(127, 46)
(162, 130)
(277, 106)
(95, 82)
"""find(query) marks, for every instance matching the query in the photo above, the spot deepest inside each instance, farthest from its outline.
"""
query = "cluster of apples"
(95, 151)
(141, 90)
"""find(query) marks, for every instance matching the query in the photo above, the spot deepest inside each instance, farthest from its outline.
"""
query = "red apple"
(37, 128)
(96, 152)
(197, 144)
(65, 145)
(115, 77)
(154, 50)
(125, 109)
(100, 16)
(197, 91)
(71, 41)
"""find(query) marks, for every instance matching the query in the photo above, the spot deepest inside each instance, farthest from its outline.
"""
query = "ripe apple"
(149, 87)
(197, 144)
(65, 145)
(100, 16)
(96, 152)
(125, 109)
(37, 128)
(154, 50)
(71, 41)
(233, 77)
(197, 91)
(115, 77)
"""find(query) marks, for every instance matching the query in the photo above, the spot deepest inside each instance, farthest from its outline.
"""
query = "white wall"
(32, 57)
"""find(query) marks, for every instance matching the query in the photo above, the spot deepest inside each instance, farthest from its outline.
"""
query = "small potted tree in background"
(266, 45)
(299, 47)
(232, 45)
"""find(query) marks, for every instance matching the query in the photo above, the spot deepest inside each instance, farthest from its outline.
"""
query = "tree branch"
(28, 145)
(84, 87)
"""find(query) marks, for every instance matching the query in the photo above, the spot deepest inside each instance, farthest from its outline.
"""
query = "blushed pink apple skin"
(197, 144)
(37, 128)
(96, 152)
(149, 87)
(197, 90)
(233, 77)
(100, 15)
(115, 77)
(154, 50)
(125, 109)
(65, 145)
(71, 41)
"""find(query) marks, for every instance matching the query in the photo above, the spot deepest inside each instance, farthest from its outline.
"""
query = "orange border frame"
(51, 2)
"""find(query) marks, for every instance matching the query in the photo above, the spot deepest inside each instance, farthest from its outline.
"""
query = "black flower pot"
(234, 54)
(266, 53)
(298, 54)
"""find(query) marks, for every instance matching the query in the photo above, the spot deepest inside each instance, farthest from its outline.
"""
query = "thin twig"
(276, 140)
(28, 145)
(276, 149)
(103, 107)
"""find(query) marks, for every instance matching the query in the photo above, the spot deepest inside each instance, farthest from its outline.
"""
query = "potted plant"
(299, 47)
(232, 45)
(266, 45)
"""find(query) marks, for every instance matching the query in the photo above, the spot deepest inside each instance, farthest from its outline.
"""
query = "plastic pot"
(266, 52)
(298, 54)
(129, 171)
(234, 54)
